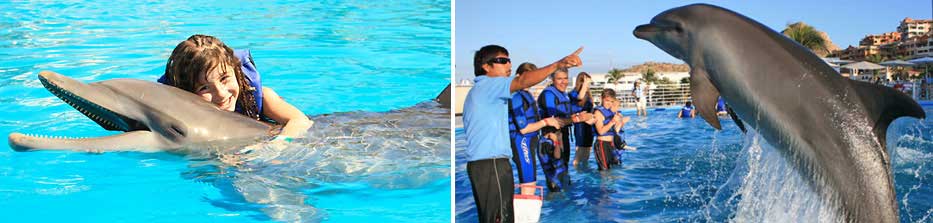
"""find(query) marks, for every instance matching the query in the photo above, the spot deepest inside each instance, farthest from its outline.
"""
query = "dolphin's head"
(153, 115)
(677, 30)
(668, 31)
(95, 102)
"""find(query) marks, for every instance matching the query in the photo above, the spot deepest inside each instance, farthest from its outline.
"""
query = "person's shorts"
(493, 187)
(604, 154)
(641, 103)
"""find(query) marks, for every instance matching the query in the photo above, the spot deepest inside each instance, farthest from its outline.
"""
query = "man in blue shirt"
(485, 120)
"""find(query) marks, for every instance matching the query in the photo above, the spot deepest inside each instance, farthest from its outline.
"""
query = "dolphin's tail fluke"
(884, 105)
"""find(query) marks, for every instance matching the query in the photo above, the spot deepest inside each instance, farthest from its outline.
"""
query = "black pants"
(493, 187)
(604, 156)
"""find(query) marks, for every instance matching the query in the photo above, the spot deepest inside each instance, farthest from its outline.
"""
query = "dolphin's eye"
(178, 130)
(678, 29)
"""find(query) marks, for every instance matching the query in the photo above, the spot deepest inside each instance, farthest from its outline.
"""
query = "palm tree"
(648, 76)
(875, 58)
(615, 75)
(807, 36)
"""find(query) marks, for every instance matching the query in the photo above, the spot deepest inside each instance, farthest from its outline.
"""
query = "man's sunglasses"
(500, 60)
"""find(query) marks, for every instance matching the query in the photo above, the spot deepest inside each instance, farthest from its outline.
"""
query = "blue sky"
(544, 31)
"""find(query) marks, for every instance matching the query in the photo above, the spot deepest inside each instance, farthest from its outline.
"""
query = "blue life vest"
(522, 111)
(574, 103)
(607, 115)
(720, 105)
(685, 112)
(252, 78)
(554, 103)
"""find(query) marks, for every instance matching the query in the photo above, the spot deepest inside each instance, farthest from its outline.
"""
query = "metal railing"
(658, 95)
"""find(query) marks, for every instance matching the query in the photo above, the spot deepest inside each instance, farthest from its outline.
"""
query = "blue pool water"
(321, 56)
(685, 171)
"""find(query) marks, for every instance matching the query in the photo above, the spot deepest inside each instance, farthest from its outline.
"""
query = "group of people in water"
(503, 120)
(574, 115)
(688, 110)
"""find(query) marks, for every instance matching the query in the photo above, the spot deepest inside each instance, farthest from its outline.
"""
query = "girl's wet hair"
(200, 54)
(578, 86)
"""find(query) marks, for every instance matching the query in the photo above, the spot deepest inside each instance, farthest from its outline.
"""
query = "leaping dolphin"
(831, 128)
(154, 117)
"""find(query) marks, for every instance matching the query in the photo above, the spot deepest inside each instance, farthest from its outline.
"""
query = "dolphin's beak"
(93, 100)
(646, 31)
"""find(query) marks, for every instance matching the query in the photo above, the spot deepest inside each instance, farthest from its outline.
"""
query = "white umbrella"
(897, 63)
(926, 61)
(922, 60)
(836, 61)
(863, 65)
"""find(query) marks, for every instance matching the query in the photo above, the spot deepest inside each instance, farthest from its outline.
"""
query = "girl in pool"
(581, 103)
(208, 68)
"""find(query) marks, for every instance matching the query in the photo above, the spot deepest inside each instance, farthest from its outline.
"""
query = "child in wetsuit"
(208, 68)
(608, 124)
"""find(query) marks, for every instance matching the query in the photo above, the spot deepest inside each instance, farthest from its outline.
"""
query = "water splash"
(407, 149)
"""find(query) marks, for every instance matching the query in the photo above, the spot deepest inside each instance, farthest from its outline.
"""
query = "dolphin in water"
(399, 149)
(154, 117)
(832, 129)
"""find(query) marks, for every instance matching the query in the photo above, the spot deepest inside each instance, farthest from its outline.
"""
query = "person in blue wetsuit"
(608, 127)
(687, 111)
(721, 107)
(524, 123)
(208, 68)
(555, 146)
(581, 104)
(485, 122)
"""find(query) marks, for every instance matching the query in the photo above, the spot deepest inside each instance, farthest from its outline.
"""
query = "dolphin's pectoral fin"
(885, 104)
(705, 96)
(735, 118)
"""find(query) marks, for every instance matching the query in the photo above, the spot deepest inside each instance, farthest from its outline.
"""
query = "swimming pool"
(323, 57)
(684, 171)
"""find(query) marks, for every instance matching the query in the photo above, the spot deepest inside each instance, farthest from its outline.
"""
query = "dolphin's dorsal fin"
(704, 96)
(444, 97)
(884, 104)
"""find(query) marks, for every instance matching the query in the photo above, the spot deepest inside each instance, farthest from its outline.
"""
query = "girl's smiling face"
(219, 86)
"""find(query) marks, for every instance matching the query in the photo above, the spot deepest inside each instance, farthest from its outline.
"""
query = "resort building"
(910, 28)
(857, 53)
(913, 39)
(880, 39)
(916, 47)
(628, 79)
